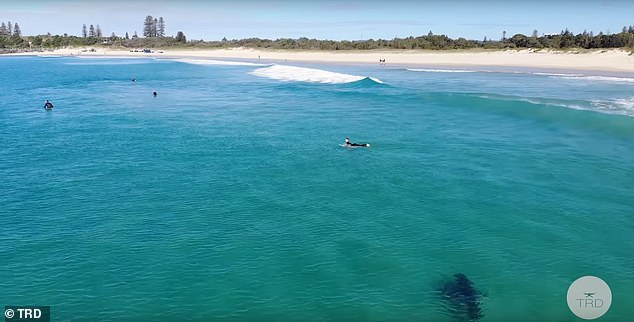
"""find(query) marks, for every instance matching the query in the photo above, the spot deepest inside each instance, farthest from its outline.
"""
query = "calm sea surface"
(228, 198)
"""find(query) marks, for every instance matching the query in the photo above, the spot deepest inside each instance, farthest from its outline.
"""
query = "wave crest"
(558, 74)
(440, 70)
(619, 106)
(118, 62)
(596, 78)
(218, 62)
(309, 75)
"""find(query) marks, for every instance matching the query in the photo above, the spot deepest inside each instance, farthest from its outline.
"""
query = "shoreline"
(608, 61)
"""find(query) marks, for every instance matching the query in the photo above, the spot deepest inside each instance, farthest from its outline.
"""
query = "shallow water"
(228, 197)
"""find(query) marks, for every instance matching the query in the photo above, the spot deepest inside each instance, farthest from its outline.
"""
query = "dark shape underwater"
(462, 298)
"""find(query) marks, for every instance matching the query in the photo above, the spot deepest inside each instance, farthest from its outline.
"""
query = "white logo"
(9, 313)
(589, 297)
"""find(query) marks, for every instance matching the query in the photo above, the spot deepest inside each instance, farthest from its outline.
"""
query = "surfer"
(463, 298)
(48, 105)
(154, 93)
(348, 143)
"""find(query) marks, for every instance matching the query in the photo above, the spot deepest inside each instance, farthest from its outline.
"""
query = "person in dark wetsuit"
(154, 93)
(48, 105)
(348, 143)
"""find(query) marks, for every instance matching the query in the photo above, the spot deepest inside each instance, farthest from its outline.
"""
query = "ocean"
(227, 197)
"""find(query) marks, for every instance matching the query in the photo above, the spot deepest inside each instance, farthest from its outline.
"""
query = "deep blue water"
(228, 197)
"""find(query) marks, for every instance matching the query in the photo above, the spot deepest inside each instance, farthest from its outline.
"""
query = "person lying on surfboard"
(348, 143)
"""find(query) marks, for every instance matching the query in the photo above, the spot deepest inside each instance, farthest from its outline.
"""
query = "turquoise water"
(228, 197)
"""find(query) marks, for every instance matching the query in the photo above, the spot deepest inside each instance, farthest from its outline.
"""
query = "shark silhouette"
(462, 298)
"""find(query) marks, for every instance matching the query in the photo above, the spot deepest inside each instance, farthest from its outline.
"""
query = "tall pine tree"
(84, 31)
(91, 31)
(147, 26)
(161, 27)
(16, 30)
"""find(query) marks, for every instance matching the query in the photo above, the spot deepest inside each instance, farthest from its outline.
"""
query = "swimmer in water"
(48, 105)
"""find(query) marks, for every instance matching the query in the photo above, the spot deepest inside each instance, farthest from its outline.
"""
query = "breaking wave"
(594, 78)
(558, 74)
(121, 62)
(309, 75)
(218, 62)
(440, 70)
(620, 106)
(107, 60)
(580, 77)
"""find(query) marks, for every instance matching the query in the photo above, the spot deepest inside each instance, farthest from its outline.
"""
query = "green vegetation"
(564, 40)
(11, 39)
(154, 37)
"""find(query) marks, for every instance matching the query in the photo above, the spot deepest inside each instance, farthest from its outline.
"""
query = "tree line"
(567, 39)
(563, 40)
(154, 36)
(11, 38)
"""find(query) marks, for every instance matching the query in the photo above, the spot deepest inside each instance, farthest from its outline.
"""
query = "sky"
(323, 19)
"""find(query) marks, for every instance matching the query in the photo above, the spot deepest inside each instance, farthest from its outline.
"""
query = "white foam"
(556, 104)
(440, 70)
(556, 74)
(114, 62)
(96, 57)
(217, 62)
(310, 75)
(622, 106)
(599, 78)
(627, 103)
(617, 106)
(376, 80)
(106, 60)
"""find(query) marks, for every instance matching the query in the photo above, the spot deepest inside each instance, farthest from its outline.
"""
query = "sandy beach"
(605, 60)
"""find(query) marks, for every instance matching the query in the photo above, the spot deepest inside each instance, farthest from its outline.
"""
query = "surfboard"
(352, 146)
